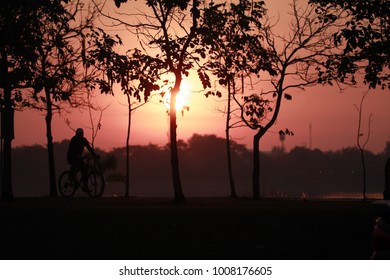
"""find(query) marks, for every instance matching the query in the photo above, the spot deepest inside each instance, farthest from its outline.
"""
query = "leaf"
(222, 82)
(119, 2)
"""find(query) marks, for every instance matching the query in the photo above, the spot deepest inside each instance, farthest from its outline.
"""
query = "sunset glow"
(182, 99)
(320, 117)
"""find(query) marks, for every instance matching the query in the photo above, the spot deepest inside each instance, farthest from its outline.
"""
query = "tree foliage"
(364, 38)
(18, 43)
(136, 73)
(232, 36)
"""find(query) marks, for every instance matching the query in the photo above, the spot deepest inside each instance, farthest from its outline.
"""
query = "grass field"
(202, 228)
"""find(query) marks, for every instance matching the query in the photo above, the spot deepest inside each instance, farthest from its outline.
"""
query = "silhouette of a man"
(386, 193)
(75, 153)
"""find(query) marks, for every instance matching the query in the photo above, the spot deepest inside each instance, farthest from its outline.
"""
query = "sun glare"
(181, 99)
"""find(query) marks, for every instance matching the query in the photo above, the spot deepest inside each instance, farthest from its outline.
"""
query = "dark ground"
(208, 228)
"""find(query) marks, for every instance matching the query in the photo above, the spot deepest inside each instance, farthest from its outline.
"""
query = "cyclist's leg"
(84, 173)
(73, 162)
(73, 168)
(77, 163)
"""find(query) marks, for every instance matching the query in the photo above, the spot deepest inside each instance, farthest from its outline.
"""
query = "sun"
(182, 98)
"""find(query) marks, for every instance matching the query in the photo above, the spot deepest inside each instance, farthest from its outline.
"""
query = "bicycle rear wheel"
(66, 185)
(95, 185)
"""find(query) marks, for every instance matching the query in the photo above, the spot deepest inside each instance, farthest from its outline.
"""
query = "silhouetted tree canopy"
(21, 23)
(364, 37)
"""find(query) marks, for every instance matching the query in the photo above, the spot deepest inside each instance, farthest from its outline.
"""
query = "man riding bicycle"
(75, 154)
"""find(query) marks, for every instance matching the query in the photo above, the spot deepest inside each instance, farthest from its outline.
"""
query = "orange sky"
(331, 115)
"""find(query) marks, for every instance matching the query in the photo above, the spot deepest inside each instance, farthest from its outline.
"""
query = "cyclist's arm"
(89, 147)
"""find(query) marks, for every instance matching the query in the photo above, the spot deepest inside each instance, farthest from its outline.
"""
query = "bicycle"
(69, 183)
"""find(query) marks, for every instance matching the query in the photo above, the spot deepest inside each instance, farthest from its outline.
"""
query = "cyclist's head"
(80, 132)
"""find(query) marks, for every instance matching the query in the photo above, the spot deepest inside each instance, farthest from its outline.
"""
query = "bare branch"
(359, 109)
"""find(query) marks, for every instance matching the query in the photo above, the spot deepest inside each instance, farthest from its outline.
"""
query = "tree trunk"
(127, 192)
(178, 192)
(7, 132)
(256, 167)
(50, 147)
(233, 193)
(256, 142)
(364, 173)
(6, 184)
(386, 192)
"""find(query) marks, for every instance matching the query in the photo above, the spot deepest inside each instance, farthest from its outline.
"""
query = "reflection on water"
(349, 195)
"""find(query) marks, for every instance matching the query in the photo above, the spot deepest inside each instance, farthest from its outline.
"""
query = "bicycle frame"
(93, 184)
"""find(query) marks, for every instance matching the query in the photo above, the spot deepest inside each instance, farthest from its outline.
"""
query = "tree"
(364, 38)
(300, 59)
(361, 144)
(232, 38)
(171, 28)
(137, 75)
(139, 82)
(58, 73)
(19, 39)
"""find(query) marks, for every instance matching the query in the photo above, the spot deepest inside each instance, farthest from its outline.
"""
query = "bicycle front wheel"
(95, 185)
(66, 185)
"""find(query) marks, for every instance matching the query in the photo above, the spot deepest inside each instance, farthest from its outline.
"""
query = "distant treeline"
(203, 167)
